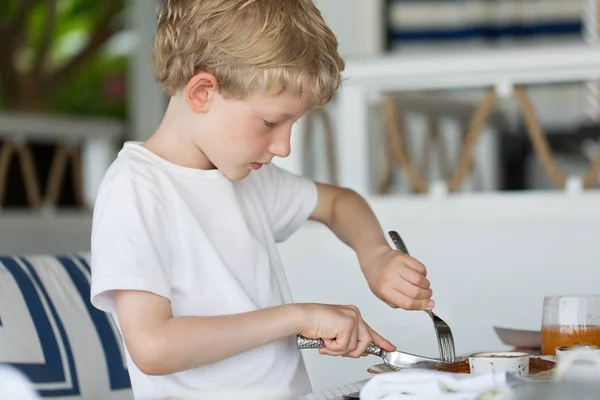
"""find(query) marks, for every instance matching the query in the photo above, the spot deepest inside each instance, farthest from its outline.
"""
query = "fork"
(442, 330)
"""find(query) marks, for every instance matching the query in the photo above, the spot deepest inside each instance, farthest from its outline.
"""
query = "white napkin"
(426, 384)
(15, 385)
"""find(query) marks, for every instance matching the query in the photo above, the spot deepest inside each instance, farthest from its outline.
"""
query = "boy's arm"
(396, 278)
(160, 344)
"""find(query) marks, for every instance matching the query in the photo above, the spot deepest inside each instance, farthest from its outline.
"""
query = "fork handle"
(398, 242)
(308, 343)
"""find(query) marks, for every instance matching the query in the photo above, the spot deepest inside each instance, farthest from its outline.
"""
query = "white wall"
(491, 260)
(147, 101)
(358, 25)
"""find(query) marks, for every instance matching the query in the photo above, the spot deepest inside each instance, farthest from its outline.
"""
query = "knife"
(394, 359)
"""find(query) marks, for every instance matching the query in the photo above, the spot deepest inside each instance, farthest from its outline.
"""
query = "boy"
(186, 224)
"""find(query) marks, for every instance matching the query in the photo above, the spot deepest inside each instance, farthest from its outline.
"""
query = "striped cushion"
(419, 22)
(51, 332)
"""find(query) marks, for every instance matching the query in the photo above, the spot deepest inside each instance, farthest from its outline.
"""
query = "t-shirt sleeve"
(290, 200)
(129, 248)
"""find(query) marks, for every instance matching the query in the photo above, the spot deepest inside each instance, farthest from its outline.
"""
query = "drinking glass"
(570, 320)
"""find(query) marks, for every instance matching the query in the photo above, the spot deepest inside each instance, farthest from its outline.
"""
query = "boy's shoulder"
(133, 165)
(273, 177)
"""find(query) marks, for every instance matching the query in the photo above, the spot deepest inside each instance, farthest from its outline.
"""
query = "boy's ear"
(200, 91)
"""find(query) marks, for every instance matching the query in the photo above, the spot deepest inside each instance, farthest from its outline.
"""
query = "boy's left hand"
(398, 279)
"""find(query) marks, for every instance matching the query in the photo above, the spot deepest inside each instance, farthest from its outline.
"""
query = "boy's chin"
(237, 174)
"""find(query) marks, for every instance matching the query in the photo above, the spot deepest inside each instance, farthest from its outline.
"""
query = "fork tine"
(444, 337)
(447, 344)
(447, 349)
(451, 348)
(445, 340)
(442, 347)
(438, 335)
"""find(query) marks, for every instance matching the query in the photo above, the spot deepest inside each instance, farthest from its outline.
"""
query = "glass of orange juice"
(570, 320)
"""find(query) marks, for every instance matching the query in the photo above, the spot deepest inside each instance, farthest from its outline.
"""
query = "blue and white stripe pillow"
(422, 22)
(50, 331)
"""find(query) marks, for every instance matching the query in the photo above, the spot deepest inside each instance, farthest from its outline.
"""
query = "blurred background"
(470, 125)
(75, 83)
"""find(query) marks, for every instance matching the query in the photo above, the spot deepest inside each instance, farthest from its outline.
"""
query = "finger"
(425, 283)
(408, 289)
(380, 341)
(364, 340)
(399, 299)
(414, 264)
(413, 277)
(338, 344)
(326, 352)
(332, 347)
(356, 333)
(412, 291)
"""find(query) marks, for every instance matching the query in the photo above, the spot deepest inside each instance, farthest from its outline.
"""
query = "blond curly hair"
(250, 46)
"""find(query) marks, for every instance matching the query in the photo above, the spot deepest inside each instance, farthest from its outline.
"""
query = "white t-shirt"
(209, 245)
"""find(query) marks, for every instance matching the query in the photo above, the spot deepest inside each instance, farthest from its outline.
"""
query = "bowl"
(502, 361)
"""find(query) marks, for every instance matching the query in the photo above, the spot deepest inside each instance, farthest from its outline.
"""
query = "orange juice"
(555, 336)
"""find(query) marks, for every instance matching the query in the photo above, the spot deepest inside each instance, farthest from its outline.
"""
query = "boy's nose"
(280, 146)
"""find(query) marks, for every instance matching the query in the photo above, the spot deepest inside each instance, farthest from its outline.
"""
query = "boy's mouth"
(256, 166)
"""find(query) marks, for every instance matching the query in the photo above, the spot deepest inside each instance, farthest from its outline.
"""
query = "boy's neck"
(172, 141)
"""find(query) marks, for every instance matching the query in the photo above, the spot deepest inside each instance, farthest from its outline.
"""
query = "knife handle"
(307, 343)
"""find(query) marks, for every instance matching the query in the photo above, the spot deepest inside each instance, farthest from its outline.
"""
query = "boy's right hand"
(342, 329)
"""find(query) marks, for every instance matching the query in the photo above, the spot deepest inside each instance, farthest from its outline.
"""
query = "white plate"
(519, 337)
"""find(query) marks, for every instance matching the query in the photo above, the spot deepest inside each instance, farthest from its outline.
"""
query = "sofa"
(50, 332)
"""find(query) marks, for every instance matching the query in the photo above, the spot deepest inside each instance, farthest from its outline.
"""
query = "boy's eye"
(270, 125)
